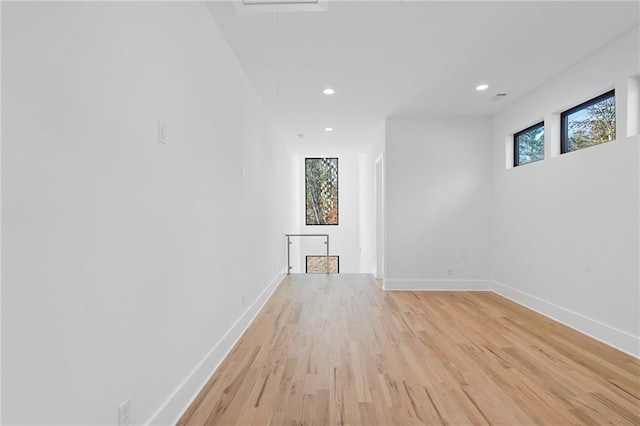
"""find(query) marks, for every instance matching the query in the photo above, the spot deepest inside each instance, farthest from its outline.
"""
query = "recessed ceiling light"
(482, 87)
(328, 129)
(328, 91)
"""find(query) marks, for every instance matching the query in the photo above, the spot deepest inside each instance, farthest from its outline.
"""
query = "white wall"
(344, 238)
(368, 200)
(437, 202)
(125, 260)
(1, 316)
(380, 217)
(353, 239)
(565, 230)
(559, 236)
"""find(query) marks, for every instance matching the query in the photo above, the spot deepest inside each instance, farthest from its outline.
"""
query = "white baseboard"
(436, 285)
(608, 335)
(621, 340)
(179, 401)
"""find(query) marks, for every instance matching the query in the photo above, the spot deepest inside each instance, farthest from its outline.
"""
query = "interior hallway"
(153, 159)
(337, 349)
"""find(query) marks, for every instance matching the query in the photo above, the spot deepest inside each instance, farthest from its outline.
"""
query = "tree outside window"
(529, 145)
(591, 123)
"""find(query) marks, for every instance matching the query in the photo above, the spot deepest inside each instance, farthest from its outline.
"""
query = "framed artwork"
(318, 264)
(321, 191)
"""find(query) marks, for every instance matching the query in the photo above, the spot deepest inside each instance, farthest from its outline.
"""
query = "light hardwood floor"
(338, 350)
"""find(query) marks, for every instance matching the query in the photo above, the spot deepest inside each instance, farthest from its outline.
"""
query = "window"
(528, 145)
(321, 191)
(318, 264)
(589, 124)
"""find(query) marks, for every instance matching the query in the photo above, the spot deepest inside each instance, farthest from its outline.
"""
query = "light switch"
(162, 132)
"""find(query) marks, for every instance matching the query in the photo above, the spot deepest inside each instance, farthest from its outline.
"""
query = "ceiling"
(406, 58)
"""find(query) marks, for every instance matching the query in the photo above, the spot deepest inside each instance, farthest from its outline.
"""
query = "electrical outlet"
(450, 271)
(124, 413)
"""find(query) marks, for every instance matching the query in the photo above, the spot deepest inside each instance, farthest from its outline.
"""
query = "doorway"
(380, 228)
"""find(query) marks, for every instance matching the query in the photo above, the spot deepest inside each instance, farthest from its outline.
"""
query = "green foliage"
(321, 184)
(594, 125)
(531, 145)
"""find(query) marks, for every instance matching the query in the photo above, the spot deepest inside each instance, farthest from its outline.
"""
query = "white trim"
(618, 339)
(181, 398)
(381, 222)
(611, 336)
(436, 285)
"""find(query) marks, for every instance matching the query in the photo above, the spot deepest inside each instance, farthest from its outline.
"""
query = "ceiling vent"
(498, 97)
(278, 2)
(253, 6)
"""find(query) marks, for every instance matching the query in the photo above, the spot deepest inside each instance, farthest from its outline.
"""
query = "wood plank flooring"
(337, 350)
